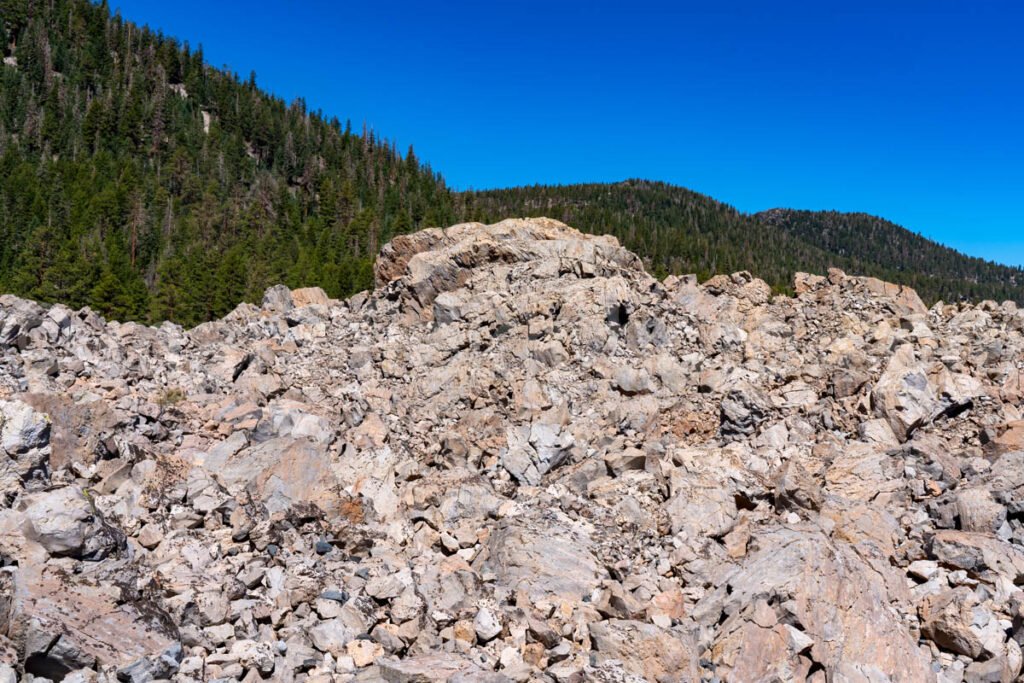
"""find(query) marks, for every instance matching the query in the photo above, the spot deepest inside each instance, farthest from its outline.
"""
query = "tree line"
(680, 231)
(138, 180)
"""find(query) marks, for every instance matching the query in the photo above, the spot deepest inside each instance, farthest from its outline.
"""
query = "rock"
(65, 523)
(828, 593)
(521, 458)
(331, 636)
(278, 299)
(65, 624)
(253, 655)
(385, 587)
(364, 652)
(923, 569)
(742, 410)
(309, 296)
(336, 596)
(903, 395)
(978, 511)
(630, 381)
(486, 624)
(22, 428)
(547, 560)
(427, 668)
(946, 620)
(646, 650)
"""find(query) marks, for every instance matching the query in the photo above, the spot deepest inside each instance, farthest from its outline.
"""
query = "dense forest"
(138, 180)
(680, 231)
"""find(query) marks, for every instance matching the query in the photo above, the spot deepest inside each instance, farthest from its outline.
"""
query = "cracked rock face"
(521, 458)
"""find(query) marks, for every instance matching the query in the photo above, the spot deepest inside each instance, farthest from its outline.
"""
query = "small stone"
(335, 595)
(150, 536)
(463, 630)
(385, 587)
(364, 652)
(486, 624)
(923, 569)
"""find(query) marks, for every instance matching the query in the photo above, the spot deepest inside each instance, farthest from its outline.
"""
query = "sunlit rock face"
(520, 458)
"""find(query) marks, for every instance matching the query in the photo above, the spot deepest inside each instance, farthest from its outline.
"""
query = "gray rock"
(523, 458)
(278, 299)
(62, 520)
(22, 428)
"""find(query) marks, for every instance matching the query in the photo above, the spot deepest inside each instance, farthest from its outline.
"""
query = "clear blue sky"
(912, 110)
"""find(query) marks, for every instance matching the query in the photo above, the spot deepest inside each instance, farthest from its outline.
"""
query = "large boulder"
(846, 621)
(66, 523)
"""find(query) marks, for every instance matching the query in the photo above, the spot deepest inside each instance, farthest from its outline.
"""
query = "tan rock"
(364, 652)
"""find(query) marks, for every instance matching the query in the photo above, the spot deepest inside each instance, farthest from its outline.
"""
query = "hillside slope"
(884, 249)
(674, 229)
(138, 180)
(680, 231)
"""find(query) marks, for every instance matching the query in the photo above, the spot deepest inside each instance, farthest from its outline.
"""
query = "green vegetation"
(680, 231)
(875, 246)
(115, 193)
(170, 397)
(138, 180)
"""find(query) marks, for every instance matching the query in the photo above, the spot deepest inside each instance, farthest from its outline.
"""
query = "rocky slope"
(520, 458)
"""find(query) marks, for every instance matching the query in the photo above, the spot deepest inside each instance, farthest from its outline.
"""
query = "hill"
(674, 229)
(680, 231)
(138, 180)
(879, 247)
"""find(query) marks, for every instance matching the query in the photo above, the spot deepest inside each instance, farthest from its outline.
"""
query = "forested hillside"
(874, 245)
(680, 231)
(674, 229)
(138, 180)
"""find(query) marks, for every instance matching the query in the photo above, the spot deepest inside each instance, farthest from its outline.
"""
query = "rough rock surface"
(521, 458)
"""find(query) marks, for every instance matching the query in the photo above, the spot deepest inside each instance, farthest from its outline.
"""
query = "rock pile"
(521, 458)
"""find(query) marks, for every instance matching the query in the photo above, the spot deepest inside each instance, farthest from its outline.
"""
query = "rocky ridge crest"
(521, 458)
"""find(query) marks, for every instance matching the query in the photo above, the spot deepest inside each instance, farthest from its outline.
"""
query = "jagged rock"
(278, 299)
(520, 458)
(824, 590)
(486, 624)
(432, 668)
(948, 620)
(903, 395)
(978, 511)
(22, 428)
(65, 523)
(547, 558)
(743, 409)
(646, 650)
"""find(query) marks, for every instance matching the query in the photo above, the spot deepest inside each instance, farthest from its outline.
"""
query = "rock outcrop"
(521, 458)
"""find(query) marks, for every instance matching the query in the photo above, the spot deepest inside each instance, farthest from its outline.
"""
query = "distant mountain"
(138, 180)
(875, 246)
(677, 230)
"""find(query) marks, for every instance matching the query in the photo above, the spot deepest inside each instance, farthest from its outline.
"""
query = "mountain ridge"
(676, 238)
(137, 179)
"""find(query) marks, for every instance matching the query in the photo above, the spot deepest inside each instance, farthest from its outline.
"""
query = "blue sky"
(912, 110)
